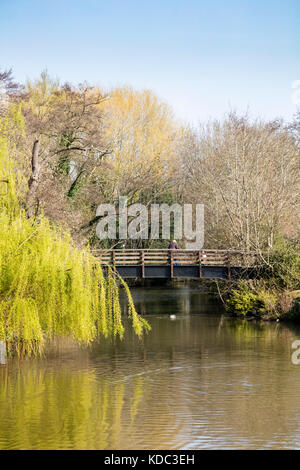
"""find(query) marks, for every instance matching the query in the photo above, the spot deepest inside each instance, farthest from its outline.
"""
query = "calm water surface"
(199, 381)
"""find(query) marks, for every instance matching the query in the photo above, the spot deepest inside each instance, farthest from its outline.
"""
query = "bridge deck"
(150, 263)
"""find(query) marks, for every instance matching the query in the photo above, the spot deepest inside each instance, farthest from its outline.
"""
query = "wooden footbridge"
(203, 264)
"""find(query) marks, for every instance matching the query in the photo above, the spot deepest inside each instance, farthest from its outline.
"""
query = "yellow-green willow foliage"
(48, 287)
(10, 126)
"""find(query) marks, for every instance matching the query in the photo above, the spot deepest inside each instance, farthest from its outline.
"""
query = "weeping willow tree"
(48, 287)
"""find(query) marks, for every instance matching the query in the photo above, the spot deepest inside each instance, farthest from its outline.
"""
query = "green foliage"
(267, 301)
(8, 194)
(274, 295)
(76, 185)
(284, 264)
(242, 300)
(48, 287)
(66, 141)
(63, 167)
(262, 300)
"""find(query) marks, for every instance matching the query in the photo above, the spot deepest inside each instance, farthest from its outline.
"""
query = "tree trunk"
(33, 180)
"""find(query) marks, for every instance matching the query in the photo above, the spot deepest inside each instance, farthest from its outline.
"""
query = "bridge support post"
(143, 263)
(171, 264)
(228, 266)
(200, 264)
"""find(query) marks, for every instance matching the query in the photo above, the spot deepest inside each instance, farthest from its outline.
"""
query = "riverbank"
(276, 294)
(253, 299)
(256, 300)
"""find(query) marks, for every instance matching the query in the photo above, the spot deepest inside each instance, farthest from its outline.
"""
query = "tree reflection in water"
(200, 381)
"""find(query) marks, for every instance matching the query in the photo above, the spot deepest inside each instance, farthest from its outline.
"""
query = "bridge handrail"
(175, 250)
(166, 256)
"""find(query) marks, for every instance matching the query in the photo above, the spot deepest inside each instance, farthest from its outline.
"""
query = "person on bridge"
(173, 245)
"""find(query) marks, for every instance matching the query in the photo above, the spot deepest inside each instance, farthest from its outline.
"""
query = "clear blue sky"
(202, 57)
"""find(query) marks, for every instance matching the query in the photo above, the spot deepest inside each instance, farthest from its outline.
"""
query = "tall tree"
(246, 174)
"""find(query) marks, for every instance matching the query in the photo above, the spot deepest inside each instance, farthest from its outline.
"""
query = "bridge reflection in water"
(206, 264)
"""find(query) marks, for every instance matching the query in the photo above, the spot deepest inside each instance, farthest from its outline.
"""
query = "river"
(197, 381)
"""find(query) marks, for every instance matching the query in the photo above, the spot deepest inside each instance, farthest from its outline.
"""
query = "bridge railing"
(142, 257)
